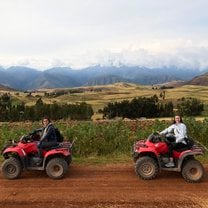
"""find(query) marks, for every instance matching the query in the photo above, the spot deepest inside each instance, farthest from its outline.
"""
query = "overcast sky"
(79, 33)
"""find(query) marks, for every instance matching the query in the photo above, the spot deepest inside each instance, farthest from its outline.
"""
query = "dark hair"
(181, 120)
(46, 117)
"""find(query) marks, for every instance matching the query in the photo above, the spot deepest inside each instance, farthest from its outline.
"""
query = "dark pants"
(45, 145)
(174, 146)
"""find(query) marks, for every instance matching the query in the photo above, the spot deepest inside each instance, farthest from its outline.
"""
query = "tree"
(138, 107)
(190, 107)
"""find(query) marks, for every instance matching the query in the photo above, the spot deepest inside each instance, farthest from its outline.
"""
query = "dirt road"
(102, 186)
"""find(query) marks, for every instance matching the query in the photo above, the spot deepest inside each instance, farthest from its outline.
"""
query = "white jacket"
(179, 131)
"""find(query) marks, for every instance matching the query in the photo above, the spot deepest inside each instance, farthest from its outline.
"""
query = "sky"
(79, 33)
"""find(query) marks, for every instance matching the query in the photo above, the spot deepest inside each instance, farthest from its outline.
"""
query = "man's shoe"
(170, 164)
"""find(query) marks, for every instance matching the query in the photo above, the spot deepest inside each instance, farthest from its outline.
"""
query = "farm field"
(99, 96)
(103, 186)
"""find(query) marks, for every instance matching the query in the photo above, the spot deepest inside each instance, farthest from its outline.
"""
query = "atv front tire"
(11, 168)
(193, 171)
(146, 168)
(56, 168)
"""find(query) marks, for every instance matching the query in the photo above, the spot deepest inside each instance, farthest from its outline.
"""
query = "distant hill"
(173, 84)
(24, 78)
(106, 79)
(5, 88)
(201, 80)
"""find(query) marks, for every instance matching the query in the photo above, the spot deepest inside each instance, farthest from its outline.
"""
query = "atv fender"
(187, 154)
(14, 150)
(61, 151)
(56, 153)
(151, 154)
(19, 154)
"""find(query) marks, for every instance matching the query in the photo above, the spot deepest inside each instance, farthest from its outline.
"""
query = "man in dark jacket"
(48, 137)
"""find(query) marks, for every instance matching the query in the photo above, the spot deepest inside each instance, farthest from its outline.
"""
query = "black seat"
(182, 149)
(53, 147)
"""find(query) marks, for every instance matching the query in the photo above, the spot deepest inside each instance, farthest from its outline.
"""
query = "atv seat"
(51, 148)
(182, 149)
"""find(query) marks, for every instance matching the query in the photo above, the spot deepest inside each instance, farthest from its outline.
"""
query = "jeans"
(43, 145)
(174, 146)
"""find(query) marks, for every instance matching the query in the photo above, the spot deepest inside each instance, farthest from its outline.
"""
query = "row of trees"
(138, 107)
(20, 112)
(151, 107)
(190, 107)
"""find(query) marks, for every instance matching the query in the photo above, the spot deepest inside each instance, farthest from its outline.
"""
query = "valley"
(98, 96)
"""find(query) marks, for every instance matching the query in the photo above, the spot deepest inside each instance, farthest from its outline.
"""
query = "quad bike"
(151, 155)
(24, 155)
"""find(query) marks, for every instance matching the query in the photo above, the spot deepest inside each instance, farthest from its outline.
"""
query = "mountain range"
(23, 78)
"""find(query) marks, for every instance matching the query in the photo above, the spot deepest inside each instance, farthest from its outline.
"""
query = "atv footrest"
(171, 169)
(36, 168)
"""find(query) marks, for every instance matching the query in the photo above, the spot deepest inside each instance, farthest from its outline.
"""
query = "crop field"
(105, 138)
(99, 96)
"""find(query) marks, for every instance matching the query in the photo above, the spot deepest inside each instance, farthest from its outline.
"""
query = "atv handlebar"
(157, 137)
(30, 137)
(25, 138)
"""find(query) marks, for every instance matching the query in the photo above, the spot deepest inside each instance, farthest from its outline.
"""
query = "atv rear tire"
(193, 171)
(146, 168)
(11, 168)
(56, 168)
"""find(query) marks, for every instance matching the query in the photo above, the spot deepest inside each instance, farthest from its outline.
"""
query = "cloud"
(79, 33)
(191, 57)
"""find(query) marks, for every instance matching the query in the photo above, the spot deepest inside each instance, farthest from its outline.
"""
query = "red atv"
(23, 155)
(151, 155)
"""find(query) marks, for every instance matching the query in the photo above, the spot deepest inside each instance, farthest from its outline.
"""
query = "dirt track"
(102, 186)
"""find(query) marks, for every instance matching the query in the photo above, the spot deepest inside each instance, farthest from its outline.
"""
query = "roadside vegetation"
(106, 141)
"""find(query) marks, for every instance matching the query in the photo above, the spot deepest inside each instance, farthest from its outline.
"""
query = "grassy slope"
(118, 92)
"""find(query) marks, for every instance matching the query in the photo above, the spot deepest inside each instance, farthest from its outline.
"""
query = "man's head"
(46, 121)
